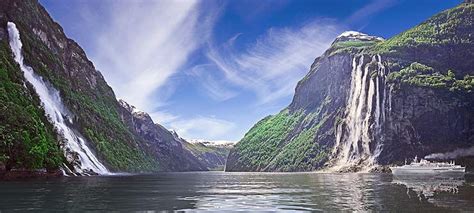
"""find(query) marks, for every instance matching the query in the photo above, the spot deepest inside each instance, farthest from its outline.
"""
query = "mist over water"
(56, 111)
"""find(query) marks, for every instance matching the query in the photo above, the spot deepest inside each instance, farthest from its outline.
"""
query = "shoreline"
(29, 174)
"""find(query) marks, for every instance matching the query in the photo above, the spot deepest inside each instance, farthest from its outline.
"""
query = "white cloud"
(216, 88)
(143, 43)
(203, 127)
(275, 62)
(210, 128)
(163, 117)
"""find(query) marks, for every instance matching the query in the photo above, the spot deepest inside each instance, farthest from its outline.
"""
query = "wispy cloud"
(203, 127)
(209, 81)
(274, 63)
(163, 117)
(143, 43)
(372, 8)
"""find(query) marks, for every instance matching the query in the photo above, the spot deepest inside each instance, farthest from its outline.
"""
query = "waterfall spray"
(56, 111)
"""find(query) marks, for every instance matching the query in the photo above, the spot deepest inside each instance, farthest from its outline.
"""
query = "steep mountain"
(57, 111)
(367, 102)
(212, 154)
(170, 150)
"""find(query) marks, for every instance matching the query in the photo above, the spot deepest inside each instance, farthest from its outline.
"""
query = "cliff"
(76, 124)
(368, 102)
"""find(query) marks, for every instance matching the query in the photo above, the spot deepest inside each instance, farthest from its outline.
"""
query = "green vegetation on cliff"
(212, 156)
(282, 142)
(27, 139)
(443, 42)
(301, 153)
(351, 46)
(450, 27)
(263, 140)
(421, 75)
(95, 109)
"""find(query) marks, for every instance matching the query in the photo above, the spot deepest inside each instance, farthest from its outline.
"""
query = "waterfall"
(56, 112)
(359, 136)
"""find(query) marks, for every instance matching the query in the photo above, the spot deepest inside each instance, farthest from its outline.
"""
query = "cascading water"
(359, 137)
(57, 113)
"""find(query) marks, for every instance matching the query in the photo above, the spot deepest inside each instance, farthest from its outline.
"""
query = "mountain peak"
(356, 36)
(211, 142)
(130, 107)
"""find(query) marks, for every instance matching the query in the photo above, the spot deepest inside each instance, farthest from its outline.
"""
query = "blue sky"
(211, 69)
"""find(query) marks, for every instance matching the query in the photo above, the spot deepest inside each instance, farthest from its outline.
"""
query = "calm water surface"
(221, 191)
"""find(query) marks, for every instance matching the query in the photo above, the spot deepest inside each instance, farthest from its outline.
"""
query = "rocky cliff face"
(368, 102)
(167, 147)
(121, 139)
(173, 152)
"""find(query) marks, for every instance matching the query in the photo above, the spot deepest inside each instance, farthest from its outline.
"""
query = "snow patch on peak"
(354, 35)
(135, 110)
(351, 33)
(211, 143)
(129, 107)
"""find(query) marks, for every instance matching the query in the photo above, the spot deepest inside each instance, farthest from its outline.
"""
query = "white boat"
(427, 167)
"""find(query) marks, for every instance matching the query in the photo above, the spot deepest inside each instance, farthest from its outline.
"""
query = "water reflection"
(449, 191)
(427, 185)
(240, 191)
(302, 191)
(253, 191)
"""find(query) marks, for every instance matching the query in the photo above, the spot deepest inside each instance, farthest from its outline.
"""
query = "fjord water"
(241, 191)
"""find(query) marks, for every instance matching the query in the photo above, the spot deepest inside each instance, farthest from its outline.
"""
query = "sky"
(210, 69)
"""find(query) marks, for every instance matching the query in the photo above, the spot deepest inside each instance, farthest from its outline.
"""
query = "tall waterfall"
(56, 112)
(358, 136)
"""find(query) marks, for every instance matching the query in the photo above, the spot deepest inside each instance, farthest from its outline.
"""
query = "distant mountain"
(165, 146)
(213, 153)
(58, 112)
(173, 152)
(212, 142)
(367, 102)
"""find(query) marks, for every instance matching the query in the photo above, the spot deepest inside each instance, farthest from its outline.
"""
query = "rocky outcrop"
(367, 102)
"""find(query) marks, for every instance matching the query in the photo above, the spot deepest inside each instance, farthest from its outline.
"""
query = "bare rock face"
(427, 120)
